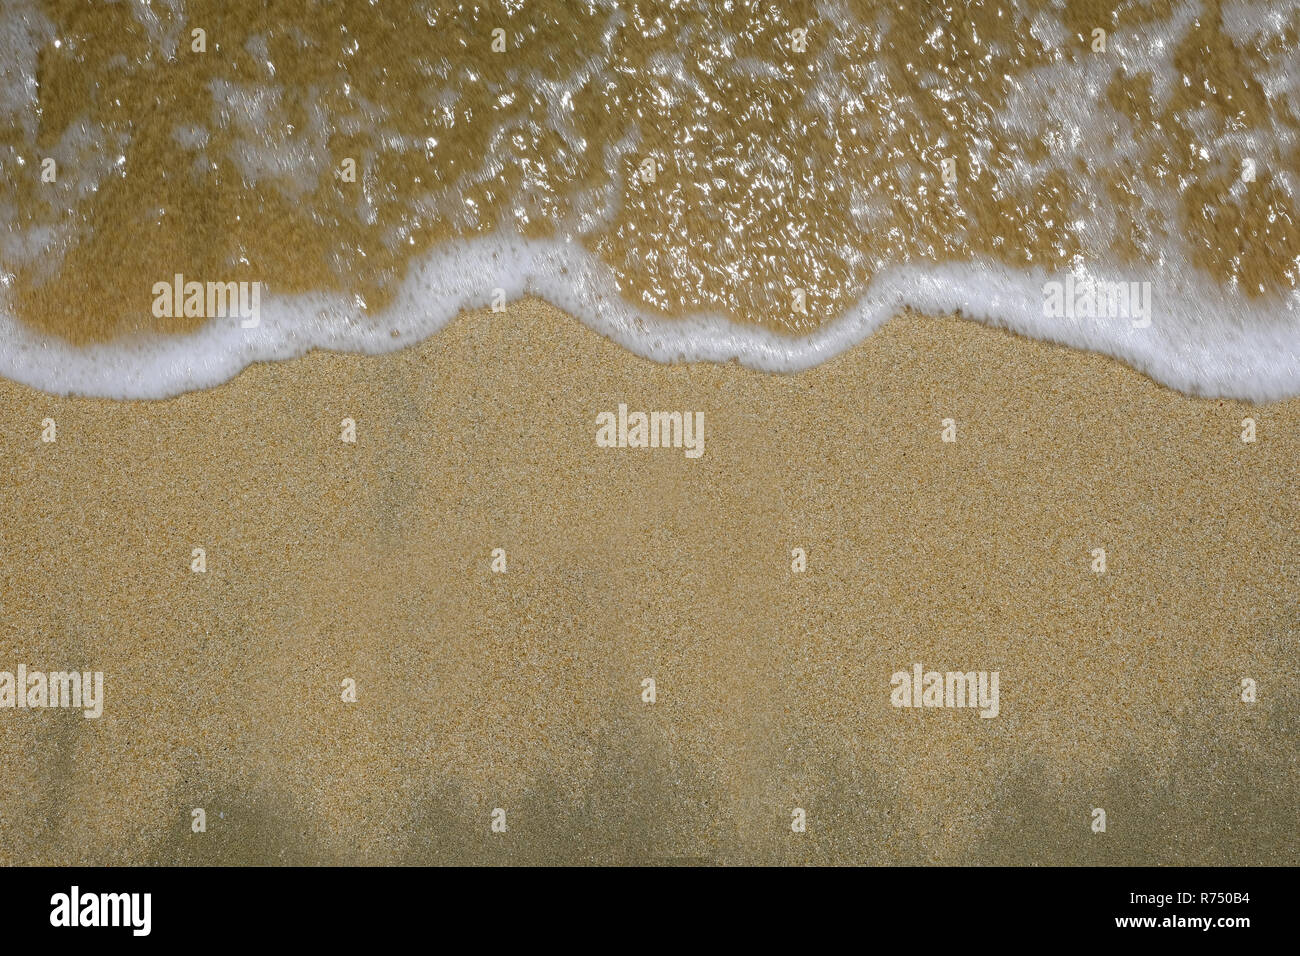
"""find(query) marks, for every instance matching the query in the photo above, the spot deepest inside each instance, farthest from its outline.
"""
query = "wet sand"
(332, 147)
(523, 690)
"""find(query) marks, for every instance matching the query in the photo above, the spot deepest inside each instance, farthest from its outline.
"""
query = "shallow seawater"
(763, 181)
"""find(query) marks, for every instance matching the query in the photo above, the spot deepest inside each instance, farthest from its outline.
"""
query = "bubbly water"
(767, 181)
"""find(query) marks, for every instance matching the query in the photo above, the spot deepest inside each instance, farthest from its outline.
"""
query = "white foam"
(1202, 340)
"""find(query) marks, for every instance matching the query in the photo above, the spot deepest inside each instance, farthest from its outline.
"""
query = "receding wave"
(765, 182)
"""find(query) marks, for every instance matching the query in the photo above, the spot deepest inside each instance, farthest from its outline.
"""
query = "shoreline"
(1186, 346)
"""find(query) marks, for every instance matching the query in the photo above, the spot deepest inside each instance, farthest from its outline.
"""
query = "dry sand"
(522, 690)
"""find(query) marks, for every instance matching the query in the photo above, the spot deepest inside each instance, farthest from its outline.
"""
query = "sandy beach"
(328, 561)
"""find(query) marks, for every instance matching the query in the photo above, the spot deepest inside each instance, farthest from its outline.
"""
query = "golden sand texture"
(522, 690)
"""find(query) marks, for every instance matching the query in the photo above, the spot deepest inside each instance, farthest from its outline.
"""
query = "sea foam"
(1201, 340)
(1206, 337)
